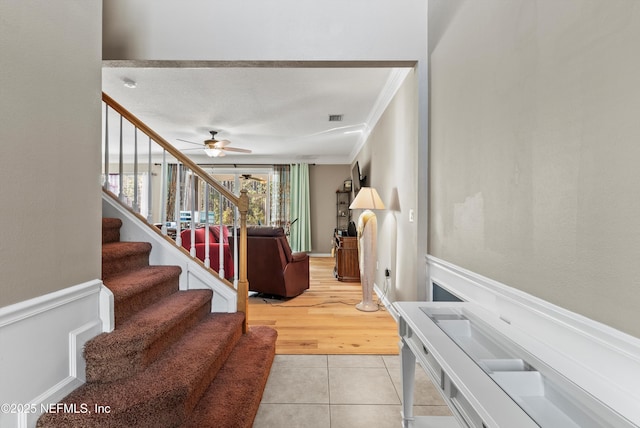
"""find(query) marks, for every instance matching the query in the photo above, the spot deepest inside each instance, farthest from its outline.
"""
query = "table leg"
(408, 365)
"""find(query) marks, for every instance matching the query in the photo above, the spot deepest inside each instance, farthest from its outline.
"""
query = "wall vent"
(335, 118)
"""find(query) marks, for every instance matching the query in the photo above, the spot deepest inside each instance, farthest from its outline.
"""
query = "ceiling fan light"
(213, 152)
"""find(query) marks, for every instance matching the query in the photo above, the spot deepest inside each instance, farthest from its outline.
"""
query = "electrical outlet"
(411, 215)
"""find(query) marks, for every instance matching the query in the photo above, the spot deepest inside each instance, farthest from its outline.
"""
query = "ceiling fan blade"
(236, 149)
(190, 142)
(251, 177)
(221, 144)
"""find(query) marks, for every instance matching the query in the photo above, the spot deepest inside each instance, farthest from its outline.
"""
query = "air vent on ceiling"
(335, 118)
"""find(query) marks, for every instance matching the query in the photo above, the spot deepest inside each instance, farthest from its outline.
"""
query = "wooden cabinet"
(346, 252)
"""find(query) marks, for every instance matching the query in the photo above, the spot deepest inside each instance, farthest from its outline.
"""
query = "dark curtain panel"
(280, 196)
(172, 170)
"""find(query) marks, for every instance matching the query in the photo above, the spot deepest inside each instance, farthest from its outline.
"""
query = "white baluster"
(177, 206)
(165, 193)
(235, 247)
(149, 188)
(136, 205)
(121, 164)
(207, 259)
(192, 250)
(106, 147)
(220, 243)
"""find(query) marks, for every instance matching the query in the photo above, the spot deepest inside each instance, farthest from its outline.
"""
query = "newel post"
(243, 283)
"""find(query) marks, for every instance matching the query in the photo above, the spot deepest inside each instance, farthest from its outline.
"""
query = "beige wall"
(389, 159)
(324, 181)
(258, 30)
(50, 137)
(535, 130)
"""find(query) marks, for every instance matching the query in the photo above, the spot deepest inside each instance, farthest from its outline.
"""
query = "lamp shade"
(367, 199)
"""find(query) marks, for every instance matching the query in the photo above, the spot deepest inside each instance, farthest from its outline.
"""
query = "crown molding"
(395, 80)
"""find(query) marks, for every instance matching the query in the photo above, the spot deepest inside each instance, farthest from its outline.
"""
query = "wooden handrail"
(169, 148)
(241, 202)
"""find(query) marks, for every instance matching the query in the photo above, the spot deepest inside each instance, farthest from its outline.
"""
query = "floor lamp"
(367, 199)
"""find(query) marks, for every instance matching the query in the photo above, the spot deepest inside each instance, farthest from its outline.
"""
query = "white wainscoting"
(41, 342)
(600, 359)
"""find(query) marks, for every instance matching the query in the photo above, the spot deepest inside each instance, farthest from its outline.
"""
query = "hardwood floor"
(324, 320)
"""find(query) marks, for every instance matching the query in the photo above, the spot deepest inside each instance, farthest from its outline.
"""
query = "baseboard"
(320, 255)
(600, 359)
(384, 299)
(41, 353)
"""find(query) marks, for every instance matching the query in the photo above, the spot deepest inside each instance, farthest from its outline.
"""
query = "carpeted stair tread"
(164, 394)
(233, 398)
(144, 336)
(111, 230)
(120, 257)
(135, 290)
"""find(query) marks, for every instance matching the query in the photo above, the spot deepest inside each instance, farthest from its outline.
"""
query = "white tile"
(339, 391)
(356, 361)
(316, 361)
(292, 415)
(361, 386)
(366, 416)
(431, 411)
(287, 385)
(425, 393)
(391, 361)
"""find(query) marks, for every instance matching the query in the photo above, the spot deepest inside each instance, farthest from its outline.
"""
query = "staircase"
(169, 362)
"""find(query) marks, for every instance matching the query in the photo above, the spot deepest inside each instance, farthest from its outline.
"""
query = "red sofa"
(214, 247)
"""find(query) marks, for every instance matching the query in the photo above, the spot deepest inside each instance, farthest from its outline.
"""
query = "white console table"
(486, 374)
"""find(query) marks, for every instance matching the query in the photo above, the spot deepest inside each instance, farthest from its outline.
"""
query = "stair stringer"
(194, 276)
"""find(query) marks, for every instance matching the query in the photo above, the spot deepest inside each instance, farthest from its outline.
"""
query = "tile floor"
(341, 391)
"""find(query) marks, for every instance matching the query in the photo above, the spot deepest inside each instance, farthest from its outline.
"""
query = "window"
(128, 190)
(257, 184)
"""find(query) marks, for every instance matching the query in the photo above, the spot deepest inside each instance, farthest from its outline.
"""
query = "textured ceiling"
(281, 114)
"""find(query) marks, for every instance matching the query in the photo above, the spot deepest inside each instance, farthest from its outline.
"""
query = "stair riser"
(121, 265)
(121, 366)
(125, 308)
(111, 230)
(110, 235)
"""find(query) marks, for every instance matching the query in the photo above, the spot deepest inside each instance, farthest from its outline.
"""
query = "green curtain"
(300, 238)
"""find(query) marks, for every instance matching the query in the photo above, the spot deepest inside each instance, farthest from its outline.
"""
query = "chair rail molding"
(35, 336)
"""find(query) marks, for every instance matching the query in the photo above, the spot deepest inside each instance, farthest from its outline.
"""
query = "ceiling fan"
(217, 148)
(250, 177)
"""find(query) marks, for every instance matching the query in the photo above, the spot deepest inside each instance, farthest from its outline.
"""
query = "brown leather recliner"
(272, 268)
